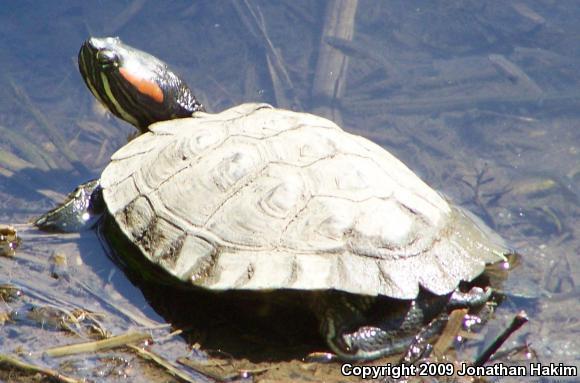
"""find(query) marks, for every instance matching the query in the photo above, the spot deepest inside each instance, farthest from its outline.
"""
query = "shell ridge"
(299, 244)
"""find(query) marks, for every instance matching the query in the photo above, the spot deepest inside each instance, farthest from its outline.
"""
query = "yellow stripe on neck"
(122, 112)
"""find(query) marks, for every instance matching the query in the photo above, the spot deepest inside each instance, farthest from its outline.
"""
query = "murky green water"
(480, 99)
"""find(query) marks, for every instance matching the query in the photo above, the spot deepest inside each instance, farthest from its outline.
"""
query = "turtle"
(257, 198)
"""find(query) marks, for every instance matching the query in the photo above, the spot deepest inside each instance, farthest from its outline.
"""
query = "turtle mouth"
(97, 55)
(90, 68)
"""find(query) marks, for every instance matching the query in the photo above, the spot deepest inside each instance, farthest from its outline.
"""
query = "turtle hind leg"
(366, 328)
(371, 342)
(80, 211)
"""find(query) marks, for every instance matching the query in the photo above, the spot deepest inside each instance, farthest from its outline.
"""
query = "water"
(480, 99)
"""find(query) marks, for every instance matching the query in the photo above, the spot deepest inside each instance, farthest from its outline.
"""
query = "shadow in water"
(257, 325)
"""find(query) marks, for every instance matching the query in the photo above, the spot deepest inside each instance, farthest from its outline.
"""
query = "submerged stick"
(105, 344)
(332, 65)
(519, 320)
(29, 151)
(253, 19)
(53, 134)
(31, 368)
(449, 334)
(163, 363)
(448, 103)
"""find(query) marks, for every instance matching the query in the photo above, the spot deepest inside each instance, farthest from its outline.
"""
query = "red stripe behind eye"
(144, 86)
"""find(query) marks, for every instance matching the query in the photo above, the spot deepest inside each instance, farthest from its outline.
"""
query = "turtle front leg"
(80, 211)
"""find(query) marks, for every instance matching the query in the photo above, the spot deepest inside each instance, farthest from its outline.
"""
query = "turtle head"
(135, 86)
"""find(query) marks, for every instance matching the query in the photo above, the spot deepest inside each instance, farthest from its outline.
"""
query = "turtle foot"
(80, 211)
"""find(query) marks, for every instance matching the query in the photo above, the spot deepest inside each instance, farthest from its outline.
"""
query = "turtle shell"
(260, 198)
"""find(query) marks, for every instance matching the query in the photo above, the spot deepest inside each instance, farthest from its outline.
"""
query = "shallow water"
(480, 99)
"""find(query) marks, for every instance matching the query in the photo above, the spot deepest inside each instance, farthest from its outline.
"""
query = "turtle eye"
(107, 58)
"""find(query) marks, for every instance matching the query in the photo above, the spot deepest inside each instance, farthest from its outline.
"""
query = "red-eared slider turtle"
(257, 198)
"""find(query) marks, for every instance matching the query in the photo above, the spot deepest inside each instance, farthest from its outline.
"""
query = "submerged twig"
(31, 368)
(519, 320)
(228, 371)
(481, 179)
(515, 73)
(162, 362)
(13, 162)
(53, 134)
(450, 331)
(252, 17)
(136, 318)
(440, 104)
(28, 150)
(105, 344)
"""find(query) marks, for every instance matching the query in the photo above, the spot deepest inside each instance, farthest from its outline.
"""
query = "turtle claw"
(476, 296)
